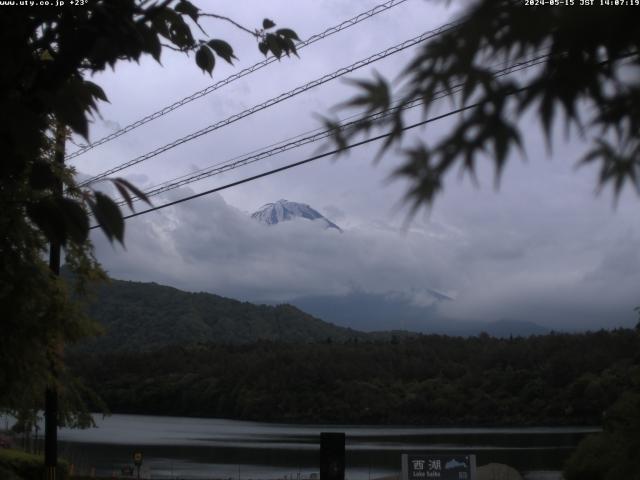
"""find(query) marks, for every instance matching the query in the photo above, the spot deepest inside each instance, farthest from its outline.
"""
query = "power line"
(506, 71)
(296, 164)
(511, 69)
(275, 100)
(248, 159)
(211, 88)
(312, 137)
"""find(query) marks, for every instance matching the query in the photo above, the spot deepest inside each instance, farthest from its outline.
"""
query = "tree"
(588, 74)
(611, 454)
(47, 54)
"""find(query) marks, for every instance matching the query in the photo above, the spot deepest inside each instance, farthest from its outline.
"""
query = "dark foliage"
(557, 379)
(612, 454)
(48, 53)
(588, 77)
(17, 465)
(142, 316)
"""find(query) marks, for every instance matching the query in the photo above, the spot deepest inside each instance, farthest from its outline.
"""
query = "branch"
(227, 19)
(201, 29)
(176, 49)
(79, 145)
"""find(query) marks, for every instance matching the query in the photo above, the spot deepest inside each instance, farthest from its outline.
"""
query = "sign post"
(332, 455)
(137, 461)
(443, 467)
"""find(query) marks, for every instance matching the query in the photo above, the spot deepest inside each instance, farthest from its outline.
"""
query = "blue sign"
(443, 467)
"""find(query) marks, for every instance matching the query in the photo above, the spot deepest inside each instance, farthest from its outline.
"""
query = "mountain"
(393, 312)
(371, 312)
(284, 210)
(143, 316)
(507, 327)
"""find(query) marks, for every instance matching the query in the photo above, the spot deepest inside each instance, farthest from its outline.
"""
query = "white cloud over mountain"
(210, 245)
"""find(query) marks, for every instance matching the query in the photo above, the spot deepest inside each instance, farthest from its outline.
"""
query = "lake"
(178, 447)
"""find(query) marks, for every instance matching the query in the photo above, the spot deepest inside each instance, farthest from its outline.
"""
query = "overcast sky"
(543, 247)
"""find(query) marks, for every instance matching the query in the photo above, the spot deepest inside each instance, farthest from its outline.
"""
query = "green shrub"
(612, 454)
(6, 474)
(17, 465)
(592, 459)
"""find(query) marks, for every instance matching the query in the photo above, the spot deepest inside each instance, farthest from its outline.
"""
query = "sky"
(542, 247)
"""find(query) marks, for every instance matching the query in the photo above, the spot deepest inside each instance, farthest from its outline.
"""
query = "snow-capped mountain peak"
(284, 210)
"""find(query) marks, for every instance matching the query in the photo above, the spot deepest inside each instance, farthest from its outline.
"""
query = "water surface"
(179, 447)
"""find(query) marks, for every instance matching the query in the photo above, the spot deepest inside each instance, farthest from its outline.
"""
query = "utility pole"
(51, 393)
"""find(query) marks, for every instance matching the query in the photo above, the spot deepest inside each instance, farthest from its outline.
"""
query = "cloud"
(541, 248)
(210, 245)
(213, 246)
(334, 213)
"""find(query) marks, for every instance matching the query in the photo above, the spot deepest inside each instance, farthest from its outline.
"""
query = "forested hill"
(557, 379)
(144, 316)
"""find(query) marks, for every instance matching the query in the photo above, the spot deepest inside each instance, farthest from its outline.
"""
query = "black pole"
(332, 455)
(51, 394)
(51, 432)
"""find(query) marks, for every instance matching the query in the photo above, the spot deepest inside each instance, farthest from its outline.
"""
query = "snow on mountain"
(284, 210)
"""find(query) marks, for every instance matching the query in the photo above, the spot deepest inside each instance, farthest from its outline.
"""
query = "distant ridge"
(392, 311)
(507, 327)
(146, 316)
